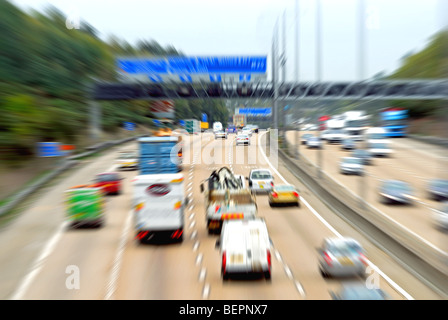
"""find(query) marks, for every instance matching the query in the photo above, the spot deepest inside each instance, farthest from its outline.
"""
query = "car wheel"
(267, 275)
(324, 274)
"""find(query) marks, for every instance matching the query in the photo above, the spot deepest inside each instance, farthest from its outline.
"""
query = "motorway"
(42, 256)
(412, 161)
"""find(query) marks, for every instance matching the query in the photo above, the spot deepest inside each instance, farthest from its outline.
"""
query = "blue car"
(438, 189)
(359, 292)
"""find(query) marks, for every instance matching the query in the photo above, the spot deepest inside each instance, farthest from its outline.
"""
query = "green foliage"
(45, 69)
(429, 63)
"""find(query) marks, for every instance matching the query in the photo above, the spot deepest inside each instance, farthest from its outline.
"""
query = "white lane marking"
(39, 262)
(299, 288)
(206, 291)
(202, 274)
(199, 259)
(278, 256)
(194, 234)
(288, 271)
(112, 284)
(196, 245)
(191, 216)
(389, 280)
(420, 238)
(191, 208)
(190, 194)
(192, 224)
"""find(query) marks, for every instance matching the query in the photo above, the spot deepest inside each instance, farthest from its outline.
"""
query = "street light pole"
(319, 75)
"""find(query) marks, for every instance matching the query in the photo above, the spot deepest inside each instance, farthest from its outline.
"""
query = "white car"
(314, 142)
(261, 180)
(245, 248)
(220, 135)
(127, 160)
(242, 139)
(247, 131)
(351, 165)
(380, 149)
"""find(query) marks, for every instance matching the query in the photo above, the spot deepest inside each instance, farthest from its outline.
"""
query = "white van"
(377, 143)
(217, 126)
(245, 248)
(158, 206)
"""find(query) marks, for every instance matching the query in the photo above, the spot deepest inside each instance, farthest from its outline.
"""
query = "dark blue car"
(438, 189)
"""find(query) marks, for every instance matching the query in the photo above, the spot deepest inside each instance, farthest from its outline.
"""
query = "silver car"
(351, 165)
(342, 257)
(220, 135)
(396, 191)
(261, 180)
(314, 142)
(359, 291)
(441, 217)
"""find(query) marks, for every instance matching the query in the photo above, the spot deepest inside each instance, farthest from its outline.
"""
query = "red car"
(109, 181)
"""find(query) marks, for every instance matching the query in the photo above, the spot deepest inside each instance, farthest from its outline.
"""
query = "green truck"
(85, 207)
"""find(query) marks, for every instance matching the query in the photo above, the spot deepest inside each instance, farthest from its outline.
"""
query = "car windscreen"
(440, 183)
(106, 177)
(398, 186)
(261, 175)
(379, 146)
(352, 160)
(344, 249)
(284, 188)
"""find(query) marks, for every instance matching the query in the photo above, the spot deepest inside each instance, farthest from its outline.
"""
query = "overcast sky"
(393, 28)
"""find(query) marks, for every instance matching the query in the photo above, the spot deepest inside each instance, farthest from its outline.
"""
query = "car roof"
(261, 169)
(104, 173)
(361, 292)
(244, 224)
(342, 241)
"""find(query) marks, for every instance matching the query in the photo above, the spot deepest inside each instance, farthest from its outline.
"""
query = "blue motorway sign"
(204, 117)
(182, 123)
(193, 65)
(49, 149)
(129, 126)
(255, 112)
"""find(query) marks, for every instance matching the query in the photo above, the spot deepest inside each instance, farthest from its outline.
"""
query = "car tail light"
(141, 234)
(177, 234)
(272, 183)
(224, 261)
(295, 194)
(139, 206)
(275, 195)
(328, 259)
(363, 259)
(268, 254)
